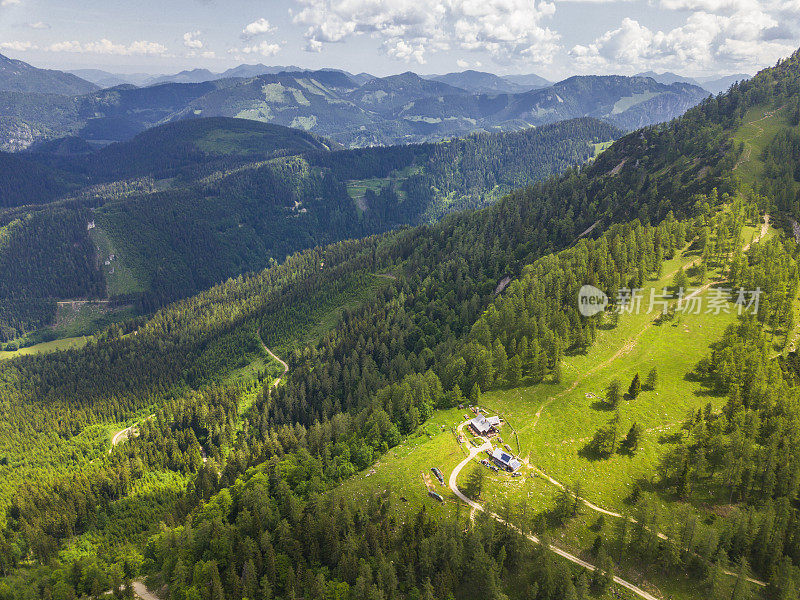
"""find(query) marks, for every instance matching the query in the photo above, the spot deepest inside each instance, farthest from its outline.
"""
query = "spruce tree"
(631, 441)
(613, 393)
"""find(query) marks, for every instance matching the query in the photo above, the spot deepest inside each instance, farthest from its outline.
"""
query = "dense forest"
(244, 475)
(243, 195)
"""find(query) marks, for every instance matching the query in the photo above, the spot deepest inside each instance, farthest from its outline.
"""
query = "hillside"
(189, 204)
(483, 83)
(712, 83)
(350, 110)
(192, 148)
(18, 76)
(628, 102)
(659, 447)
(282, 489)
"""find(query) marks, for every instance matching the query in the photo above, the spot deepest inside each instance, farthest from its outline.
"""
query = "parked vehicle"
(438, 474)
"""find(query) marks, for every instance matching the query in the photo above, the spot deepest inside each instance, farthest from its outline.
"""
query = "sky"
(554, 38)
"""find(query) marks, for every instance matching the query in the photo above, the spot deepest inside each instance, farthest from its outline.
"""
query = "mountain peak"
(19, 76)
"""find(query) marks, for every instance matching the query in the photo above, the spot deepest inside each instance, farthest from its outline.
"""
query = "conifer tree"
(613, 393)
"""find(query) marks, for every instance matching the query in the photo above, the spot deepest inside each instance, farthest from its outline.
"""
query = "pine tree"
(613, 393)
(582, 586)
(604, 574)
(557, 372)
(716, 580)
(475, 394)
(474, 486)
(782, 586)
(514, 371)
(681, 281)
(741, 589)
(631, 441)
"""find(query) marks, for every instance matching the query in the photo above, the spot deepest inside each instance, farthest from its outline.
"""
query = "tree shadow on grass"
(589, 452)
(602, 405)
(670, 438)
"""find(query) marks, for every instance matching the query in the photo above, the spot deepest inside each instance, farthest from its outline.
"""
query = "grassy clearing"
(86, 319)
(120, 278)
(571, 412)
(760, 126)
(324, 316)
(61, 344)
(357, 188)
(406, 469)
(624, 104)
(600, 147)
(323, 313)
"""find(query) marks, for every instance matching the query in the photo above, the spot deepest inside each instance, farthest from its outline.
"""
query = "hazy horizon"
(555, 39)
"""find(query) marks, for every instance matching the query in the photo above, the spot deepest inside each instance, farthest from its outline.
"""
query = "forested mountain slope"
(18, 76)
(485, 83)
(187, 205)
(422, 337)
(264, 513)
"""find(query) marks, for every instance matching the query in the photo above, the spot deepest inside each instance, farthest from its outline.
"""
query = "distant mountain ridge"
(713, 84)
(106, 79)
(353, 110)
(19, 76)
(486, 83)
(628, 102)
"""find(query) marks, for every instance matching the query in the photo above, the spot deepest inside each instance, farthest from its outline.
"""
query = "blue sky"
(553, 38)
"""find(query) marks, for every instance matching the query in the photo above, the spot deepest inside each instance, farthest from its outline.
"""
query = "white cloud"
(191, 39)
(462, 64)
(39, 25)
(18, 46)
(105, 46)
(263, 48)
(257, 27)
(146, 48)
(409, 29)
(717, 34)
(404, 51)
(10, 2)
(721, 7)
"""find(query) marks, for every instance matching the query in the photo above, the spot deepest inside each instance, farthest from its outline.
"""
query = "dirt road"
(555, 549)
(276, 357)
(142, 592)
(124, 434)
